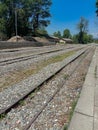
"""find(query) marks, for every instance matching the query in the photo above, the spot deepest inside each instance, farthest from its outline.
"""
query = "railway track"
(60, 85)
(28, 57)
(18, 59)
(13, 53)
(11, 74)
(67, 62)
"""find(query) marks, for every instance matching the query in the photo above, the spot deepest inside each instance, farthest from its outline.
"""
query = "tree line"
(32, 15)
(81, 37)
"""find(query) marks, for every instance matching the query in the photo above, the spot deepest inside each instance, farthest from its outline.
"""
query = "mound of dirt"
(29, 38)
(16, 39)
(41, 39)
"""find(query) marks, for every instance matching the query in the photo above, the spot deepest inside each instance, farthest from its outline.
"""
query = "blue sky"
(67, 13)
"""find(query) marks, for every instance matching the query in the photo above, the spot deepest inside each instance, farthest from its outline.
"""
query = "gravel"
(13, 53)
(56, 114)
(22, 53)
(21, 65)
(16, 72)
(13, 93)
(16, 118)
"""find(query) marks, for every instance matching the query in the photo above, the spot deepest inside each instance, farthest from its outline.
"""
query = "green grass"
(34, 93)
(95, 72)
(65, 127)
(22, 102)
(71, 114)
(72, 110)
(2, 116)
(66, 76)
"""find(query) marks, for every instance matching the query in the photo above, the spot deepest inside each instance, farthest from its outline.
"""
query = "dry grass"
(17, 76)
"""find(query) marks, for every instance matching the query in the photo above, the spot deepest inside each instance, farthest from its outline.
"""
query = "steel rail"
(50, 99)
(7, 109)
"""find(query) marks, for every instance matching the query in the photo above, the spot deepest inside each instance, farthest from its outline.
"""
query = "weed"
(72, 110)
(65, 127)
(21, 102)
(66, 76)
(32, 95)
(71, 114)
(2, 116)
(83, 78)
(95, 72)
(34, 92)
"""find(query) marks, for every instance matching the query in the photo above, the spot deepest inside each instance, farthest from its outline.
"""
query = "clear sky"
(67, 13)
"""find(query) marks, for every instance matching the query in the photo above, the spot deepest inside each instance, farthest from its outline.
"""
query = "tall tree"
(83, 28)
(22, 10)
(40, 14)
(66, 33)
(31, 15)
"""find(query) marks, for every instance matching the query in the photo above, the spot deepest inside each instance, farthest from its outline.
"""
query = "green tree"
(31, 15)
(87, 38)
(97, 7)
(42, 32)
(40, 14)
(83, 28)
(57, 34)
(66, 33)
(3, 9)
(8, 15)
(75, 38)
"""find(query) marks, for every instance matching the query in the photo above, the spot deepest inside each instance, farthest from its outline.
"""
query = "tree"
(83, 28)
(8, 14)
(97, 7)
(57, 34)
(66, 33)
(42, 32)
(3, 9)
(40, 14)
(75, 38)
(31, 15)
(90, 38)
(87, 38)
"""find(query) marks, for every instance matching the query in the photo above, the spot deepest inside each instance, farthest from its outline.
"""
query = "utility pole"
(16, 21)
(16, 32)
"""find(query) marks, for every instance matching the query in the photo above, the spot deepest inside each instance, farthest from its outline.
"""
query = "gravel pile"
(53, 117)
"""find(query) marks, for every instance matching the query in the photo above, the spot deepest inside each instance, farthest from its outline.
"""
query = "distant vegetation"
(66, 34)
(28, 16)
(82, 37)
